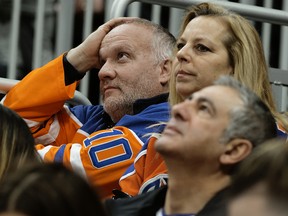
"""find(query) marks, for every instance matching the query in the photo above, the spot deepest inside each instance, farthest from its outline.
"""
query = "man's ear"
(166, 68)
(235, 151)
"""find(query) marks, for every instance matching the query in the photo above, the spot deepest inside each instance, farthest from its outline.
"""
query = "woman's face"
(201, 54)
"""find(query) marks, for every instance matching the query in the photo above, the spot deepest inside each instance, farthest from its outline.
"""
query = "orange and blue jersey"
(82, 137)
(281, 132)
(148, 172)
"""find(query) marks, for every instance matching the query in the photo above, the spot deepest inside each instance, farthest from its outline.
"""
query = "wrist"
(71, 74)
(79, 60)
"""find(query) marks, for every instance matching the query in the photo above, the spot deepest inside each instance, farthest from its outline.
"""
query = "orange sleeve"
(149, 173)
(39, 100)
(41, 93)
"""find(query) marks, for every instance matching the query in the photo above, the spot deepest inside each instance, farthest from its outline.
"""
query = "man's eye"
(202, 48)
(122, 55)
(102, 62)
(180, 46)
(203, 108)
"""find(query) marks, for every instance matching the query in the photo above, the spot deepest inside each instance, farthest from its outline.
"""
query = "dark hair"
(268, 164)
(16, 141)
(49, 189)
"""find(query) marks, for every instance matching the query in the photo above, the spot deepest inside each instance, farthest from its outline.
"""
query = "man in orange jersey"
(100, 142)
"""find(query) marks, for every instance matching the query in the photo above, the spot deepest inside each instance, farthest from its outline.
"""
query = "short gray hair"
(253, 121)
(163, 42)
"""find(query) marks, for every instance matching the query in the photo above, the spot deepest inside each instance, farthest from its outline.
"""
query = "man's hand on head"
(86, 56)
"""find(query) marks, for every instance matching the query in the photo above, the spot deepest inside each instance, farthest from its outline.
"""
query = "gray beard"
(116, 109)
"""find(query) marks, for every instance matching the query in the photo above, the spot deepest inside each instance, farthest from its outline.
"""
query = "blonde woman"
(245, 56)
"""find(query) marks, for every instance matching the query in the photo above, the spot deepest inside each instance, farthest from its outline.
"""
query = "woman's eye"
(202, 48)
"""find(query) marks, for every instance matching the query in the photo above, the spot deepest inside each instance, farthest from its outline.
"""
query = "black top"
(149, 203)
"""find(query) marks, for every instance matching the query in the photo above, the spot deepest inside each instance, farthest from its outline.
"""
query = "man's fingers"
(108, 26)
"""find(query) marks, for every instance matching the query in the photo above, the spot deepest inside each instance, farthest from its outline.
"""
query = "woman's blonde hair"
(245, 52)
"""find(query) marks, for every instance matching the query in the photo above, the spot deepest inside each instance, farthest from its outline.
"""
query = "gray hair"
(163, 42)
(253, 121)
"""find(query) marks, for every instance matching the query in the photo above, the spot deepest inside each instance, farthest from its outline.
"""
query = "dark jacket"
(149, 203)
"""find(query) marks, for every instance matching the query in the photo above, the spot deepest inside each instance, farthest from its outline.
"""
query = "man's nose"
(107, 71)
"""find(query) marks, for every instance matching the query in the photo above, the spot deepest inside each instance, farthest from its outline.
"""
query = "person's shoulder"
(217, 205)
(87, 110)
(144, 204)
(282, 124)
(154, 104)
(160, 111)
(281, 132)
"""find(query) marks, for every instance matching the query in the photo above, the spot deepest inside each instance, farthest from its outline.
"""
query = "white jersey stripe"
(75, 160)
(42, 152)
(51, 136)
(72, 116)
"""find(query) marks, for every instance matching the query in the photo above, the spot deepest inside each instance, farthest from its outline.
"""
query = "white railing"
(250, 11)
(64, 34)
(116, 8)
